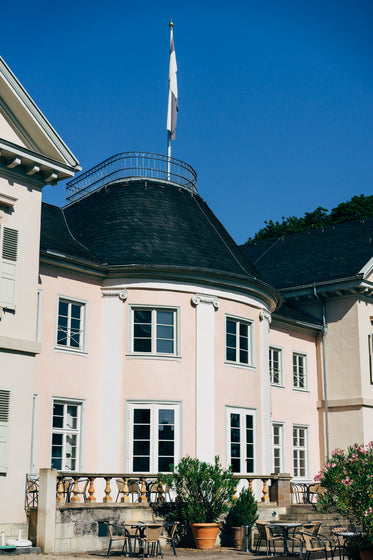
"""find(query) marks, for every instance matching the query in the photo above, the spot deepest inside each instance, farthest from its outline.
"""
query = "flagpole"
(169, 133)
(172, 100)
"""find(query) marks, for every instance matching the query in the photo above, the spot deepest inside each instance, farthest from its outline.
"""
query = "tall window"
(277, 447)
(299, 371)
(300, 451)
(241, 440)
(238, 341)
(8, 266)
(154, 331)
(275, 366)
(154, 437)
(71, 324)
(66, 436)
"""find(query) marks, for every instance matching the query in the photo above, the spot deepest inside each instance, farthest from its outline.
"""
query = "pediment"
(27, 139)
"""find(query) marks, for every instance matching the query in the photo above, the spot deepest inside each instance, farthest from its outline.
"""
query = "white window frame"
(242, 412)
(370, 343)
(297, 451)
(153, 353)
(279, 447)
(296, 371)
(65, 431)
(154, 407)
(280, 382)
(83, 304)
(250, 330)
(8, 266)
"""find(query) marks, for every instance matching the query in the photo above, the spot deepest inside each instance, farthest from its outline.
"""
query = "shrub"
(244, 510)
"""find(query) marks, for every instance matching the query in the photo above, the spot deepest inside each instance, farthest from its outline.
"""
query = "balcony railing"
(132, 165)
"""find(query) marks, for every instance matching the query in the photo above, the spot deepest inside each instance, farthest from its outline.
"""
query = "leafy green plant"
(203, 491)
(244, 510)
(355, 544)
(347, 488)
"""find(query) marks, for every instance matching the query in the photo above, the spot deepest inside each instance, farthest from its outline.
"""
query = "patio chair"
(149, 540)
(296, 536)
(81, 489)
(270, 535)
(118, 533)
(338, 540)
(169, 533)
(133, 489)
(316, 543)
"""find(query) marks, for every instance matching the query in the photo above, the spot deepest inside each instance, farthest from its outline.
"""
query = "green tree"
(357, 208)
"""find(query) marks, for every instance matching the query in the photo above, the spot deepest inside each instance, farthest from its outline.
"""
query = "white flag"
(172, 91)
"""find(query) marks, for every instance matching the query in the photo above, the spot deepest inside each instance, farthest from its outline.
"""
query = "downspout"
(323, 335)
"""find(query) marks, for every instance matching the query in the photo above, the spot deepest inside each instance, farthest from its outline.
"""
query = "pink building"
(142, 333)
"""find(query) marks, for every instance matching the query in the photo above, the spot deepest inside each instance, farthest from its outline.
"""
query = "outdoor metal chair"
(77, 489)
(270, 535)
(296, 536)
(133, 489)
(316, 543)
(169, 534)
(149, 540)
(118, 533)
(338, 540)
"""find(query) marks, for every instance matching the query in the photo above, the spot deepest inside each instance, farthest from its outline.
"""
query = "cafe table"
(285, 527)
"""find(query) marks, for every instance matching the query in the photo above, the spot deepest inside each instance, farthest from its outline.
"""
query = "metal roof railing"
(132, 165)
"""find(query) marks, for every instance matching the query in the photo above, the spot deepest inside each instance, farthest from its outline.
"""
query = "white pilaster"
(206, 307)
(110, 403)
(265, 320)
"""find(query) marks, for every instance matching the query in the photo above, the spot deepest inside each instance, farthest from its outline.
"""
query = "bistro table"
(345, 535)
(285, 527)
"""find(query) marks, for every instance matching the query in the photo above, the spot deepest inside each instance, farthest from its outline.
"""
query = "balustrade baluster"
(251, 485)
(60, 490)
(91, 490)
(126, 496)
(107, 497)
(265, 497)
(143, 497)
(75, 490)
(160, 493)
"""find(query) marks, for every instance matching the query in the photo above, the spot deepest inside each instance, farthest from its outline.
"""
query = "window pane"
(166, 448)
(231, 341)
(142, 316)
(71, 417)
(166, 416)
(57, 415)
(165, 332)
(235, 420)
(244, 330)
(56, 464)
(244, 343)
(231, 327)
(141, 431)
(166, 432)
(142, 331)
(141, 415)
(75, 311)
(142, 345)
(165, 346)
(231, 354)
(235, 434)
(250, 466)
(249, 421)
(141, 464)
(165, 317)
(235, 465)
(62, 308)
(244, 357)
(141, 447)
(235, 450)
(164, 464)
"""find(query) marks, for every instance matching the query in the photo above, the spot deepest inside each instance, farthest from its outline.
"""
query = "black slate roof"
(319, 255)
(144, 223)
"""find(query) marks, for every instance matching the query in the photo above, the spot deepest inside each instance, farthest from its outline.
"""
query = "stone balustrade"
(113, 487)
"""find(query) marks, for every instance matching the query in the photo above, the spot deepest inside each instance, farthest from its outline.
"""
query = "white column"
(265, 319)
(205, 376)
(46, 523)
(110, 399)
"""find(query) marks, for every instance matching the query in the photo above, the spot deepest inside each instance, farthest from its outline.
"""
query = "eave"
(295, 324)
(74, 264)
(354, 285)
(16, 159)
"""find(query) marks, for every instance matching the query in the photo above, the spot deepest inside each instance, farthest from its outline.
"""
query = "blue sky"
(275, 96)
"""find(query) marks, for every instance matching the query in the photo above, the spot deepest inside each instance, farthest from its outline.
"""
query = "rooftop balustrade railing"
(132, 165)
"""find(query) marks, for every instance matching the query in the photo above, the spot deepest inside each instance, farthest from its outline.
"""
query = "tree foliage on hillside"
(356, 208)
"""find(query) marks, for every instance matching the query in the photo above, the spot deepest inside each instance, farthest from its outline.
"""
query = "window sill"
(153, 357)
(298, 390)
(241, 366)
(278, 385)
(71, 351)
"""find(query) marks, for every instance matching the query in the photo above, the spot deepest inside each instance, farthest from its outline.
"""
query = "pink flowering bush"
(347, 480)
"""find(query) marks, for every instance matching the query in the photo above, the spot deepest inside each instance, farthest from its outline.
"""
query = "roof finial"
(171, 24)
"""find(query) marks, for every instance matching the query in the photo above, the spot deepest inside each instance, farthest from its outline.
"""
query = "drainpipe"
(324, 331)
(323, 335)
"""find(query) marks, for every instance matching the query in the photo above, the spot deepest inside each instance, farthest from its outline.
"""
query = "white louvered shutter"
(370, 341)
(8, 266)
(4, 429)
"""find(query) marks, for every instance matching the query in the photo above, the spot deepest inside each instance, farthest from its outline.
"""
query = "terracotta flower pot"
(205, 534)
(366, 554)
(237, 537)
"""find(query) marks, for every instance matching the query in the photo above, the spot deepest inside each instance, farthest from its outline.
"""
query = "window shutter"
(4, 429)
(8, 266)
(370, 341)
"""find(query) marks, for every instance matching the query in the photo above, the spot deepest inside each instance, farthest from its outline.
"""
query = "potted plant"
(346, 484)
(244, 511)
(203, 493)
